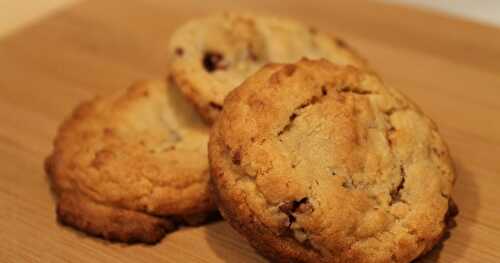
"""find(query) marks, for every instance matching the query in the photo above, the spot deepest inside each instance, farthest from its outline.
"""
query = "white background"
(485, 11)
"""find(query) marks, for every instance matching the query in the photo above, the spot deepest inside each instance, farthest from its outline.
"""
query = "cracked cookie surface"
(208, 57)
(315, 162)
(128, 166)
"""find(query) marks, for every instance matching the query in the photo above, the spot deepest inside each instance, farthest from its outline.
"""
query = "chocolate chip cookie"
(210, 56)
(316, 162)
(130, 166)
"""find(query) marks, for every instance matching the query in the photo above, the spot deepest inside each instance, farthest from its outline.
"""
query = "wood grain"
(450, 67)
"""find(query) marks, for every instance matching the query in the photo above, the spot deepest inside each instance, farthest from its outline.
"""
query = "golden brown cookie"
(315, 162)
(210, 56)
(128, 166)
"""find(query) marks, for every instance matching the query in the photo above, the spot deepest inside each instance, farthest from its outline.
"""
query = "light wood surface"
(450, 67)
(17, 14)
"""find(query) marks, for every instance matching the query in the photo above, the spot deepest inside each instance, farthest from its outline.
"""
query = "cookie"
(128, 167)
(210, 56)
(315, 162)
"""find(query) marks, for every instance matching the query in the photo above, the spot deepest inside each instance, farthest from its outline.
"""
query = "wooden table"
(450, 67)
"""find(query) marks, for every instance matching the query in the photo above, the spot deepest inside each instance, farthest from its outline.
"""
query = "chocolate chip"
(215, 106)
(390, 135)
(300, 206)
(348, 183)
(253, 56)
(340, 42)
(289, 124)
(286, 208)
(291, 217)
(324, 91)
(108, 131)
(304, 207)
(213, 61)
(292, 206)
(396, 193)
(251, 53)
(237, 158)
(179, 51)
(289, 70)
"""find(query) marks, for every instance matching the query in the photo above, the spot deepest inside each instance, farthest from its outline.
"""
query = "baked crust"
(210, 56)
(128, 166)
(315, 162)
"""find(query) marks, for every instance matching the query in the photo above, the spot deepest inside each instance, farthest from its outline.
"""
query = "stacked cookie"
(310, 156)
